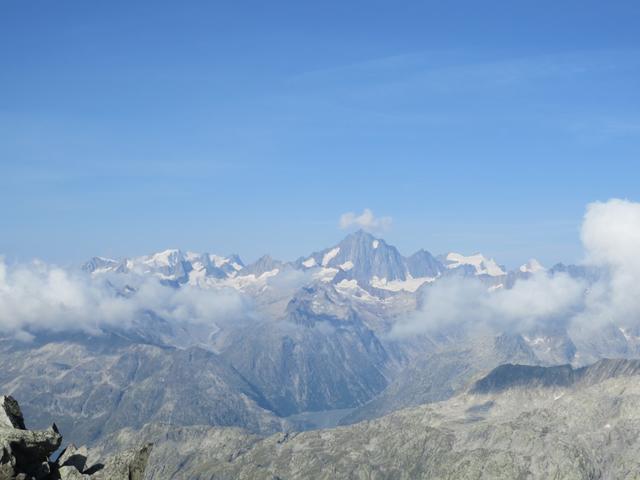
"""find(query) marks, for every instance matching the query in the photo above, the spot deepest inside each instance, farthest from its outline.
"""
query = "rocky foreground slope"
(519, 422)
(26, 454)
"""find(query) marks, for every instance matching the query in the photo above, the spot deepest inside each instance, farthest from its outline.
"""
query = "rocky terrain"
(518, 422)
(26, 454)
(92, 387)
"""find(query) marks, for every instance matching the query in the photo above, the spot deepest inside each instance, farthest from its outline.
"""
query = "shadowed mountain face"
(320, 357)
(443, 373)
(510, 376)
(423, 264)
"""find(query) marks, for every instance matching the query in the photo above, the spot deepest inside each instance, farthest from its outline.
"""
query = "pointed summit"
(359, 256)
(262, 265)
(423, 264)
(99, 265)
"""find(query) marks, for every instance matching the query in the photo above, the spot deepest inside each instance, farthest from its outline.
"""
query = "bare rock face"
(128, 465)
(26, 454)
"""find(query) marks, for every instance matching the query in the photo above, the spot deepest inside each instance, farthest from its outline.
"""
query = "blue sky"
(251, 127)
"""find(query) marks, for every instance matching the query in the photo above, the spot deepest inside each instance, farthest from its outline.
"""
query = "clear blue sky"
(128, 127)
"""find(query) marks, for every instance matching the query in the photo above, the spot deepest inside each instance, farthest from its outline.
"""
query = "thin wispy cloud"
(451, 70)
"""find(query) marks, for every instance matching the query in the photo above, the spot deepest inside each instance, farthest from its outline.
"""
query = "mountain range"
(368, 260)
(312, 343)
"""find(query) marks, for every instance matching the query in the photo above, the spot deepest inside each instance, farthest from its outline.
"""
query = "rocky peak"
(264, 264)
(423, 264)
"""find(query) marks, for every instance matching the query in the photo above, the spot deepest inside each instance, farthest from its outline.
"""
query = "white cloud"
(464, 302)
(366, 220)
(39, 297)
(611, 240)
(611, 236)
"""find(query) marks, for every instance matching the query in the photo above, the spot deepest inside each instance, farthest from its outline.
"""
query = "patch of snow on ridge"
(192, 256)
(347, 284)
(218, 261)
(348, 265)
(165, 258)
(409, 285)
(309, 262)
(375, 243)
(245, 281)
(352, 288)
(478, 261)
(330, 255)
(325, 274)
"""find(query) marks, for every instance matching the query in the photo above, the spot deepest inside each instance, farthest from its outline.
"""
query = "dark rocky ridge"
(510, 376)
(26, 454)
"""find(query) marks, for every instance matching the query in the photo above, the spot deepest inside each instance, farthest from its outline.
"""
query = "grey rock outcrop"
(26, 454)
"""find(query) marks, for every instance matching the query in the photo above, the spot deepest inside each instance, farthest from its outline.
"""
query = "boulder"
(128, 465)
(10, 413)
(25, 454)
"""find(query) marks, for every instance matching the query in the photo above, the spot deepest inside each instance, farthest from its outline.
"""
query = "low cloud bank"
(460, 302)
(40, 297)
(611, 239)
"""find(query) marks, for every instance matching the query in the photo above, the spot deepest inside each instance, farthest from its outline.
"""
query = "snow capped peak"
(370, 262)
(171, 265)
(532, 266)
(101, 265)
(165, 258)
(482, 265)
